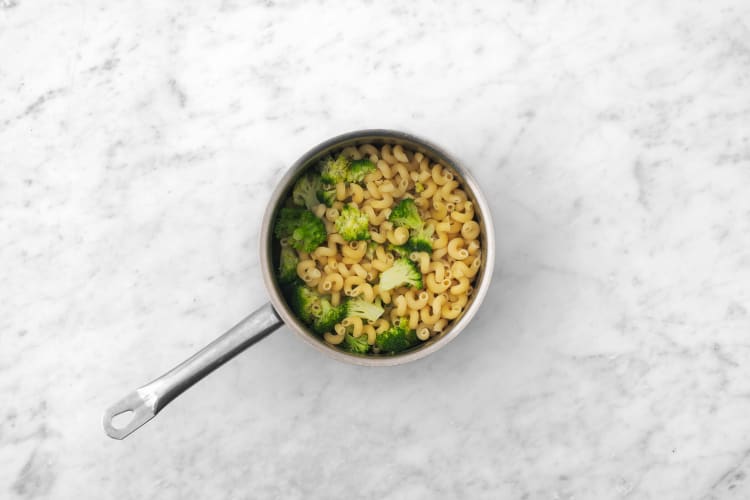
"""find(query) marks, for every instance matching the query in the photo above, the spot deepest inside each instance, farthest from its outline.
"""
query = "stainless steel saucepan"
(144, 403)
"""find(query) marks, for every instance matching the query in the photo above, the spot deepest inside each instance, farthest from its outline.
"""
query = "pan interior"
(270, 246)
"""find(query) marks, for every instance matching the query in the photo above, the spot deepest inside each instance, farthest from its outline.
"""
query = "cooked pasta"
(382, 211)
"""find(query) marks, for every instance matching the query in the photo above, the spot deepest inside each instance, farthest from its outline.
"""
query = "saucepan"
(144, 403)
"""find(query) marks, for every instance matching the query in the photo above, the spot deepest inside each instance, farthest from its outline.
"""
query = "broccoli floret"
(334, 170)
(358, 169)
(326, 194)
(418, 187)
(305, 191)
(304, 302)
(420, 235)
(363, 309)
(288, 261)
(420, 240)
(314, 309)
(343, 169)
(357, 345)
(400, 250)
(397, 338)
(402, 272)
(303, 230)
(405, 214)
(353, 224)
(286, 222)
(327, 316)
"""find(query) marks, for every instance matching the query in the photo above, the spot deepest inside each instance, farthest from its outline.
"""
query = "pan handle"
(145, 402)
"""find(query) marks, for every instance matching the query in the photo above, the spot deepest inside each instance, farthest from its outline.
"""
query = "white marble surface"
(138, 144)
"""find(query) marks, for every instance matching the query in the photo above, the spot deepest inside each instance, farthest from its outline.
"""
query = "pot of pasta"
(376, 248)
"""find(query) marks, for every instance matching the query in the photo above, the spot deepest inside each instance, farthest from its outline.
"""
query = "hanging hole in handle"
(127, 415)
(121, 420)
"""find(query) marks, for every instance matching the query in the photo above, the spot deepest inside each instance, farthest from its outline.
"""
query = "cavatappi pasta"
(380, 247)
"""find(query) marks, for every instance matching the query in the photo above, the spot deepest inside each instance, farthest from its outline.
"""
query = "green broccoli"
(397, 338)
(358, 169)
(303, 230)
(362, 309)
(314, 309)
(334, 170)
(420, 240)
(352, 224)
(327, 194)
(304, 302)
(418, 187)
(342, 169)
(402, 272)
(305, 191)
(327, 316)
(400, 250)
(357, 345)
(288, 261)
(405, 214)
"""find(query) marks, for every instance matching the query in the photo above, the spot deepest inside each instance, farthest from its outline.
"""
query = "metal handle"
(146, 401)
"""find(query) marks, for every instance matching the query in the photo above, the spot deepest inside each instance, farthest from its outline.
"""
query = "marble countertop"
(611, 359)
